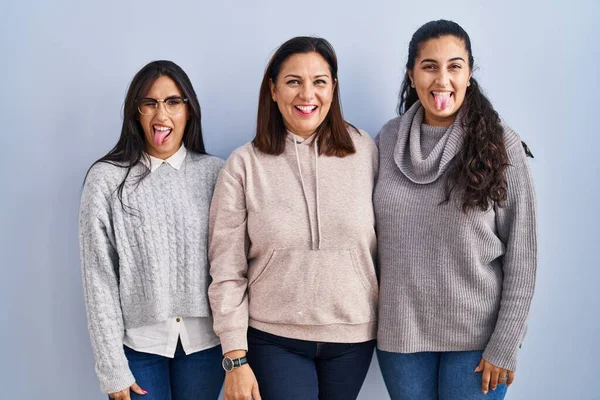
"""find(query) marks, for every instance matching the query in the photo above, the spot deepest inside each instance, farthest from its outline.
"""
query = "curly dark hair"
(478, 171)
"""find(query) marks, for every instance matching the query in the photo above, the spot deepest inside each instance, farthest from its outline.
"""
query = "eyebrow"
(299, 77)
(166, 98)
(434, 61)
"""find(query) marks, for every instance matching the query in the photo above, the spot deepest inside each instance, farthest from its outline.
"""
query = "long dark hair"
(129, 150)
(478, 171)
(332, 135)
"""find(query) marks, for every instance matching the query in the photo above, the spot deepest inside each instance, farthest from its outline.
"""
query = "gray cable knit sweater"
(146, 264)
(450, 281)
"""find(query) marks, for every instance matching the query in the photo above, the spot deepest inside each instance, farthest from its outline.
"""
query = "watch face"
(227, 364)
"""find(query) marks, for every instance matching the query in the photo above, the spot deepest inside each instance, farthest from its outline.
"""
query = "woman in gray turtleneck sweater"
(455, 213)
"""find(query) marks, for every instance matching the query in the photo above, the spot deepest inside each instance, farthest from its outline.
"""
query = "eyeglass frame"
(158, 101)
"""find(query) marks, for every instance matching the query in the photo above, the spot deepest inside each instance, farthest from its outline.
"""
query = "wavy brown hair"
(478, 171)
(332, 135)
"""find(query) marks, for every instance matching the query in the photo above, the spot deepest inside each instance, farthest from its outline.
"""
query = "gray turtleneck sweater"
(450, 281)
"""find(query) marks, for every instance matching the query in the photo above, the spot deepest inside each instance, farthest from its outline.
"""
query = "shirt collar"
(175, 161)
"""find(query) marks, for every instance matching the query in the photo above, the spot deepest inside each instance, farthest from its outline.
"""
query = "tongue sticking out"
(160, 136)
(441, 101)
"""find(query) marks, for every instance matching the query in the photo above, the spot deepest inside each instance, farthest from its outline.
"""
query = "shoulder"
(239, 161)
(363, 142)
(207, 161)
(240, 156)
(511, 138)
(100, 184)
(513, 144)
(390, 128)
(392, 125)
(517, 157)
(105, 176)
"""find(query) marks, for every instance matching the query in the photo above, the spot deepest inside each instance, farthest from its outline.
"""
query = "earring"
(412, 84)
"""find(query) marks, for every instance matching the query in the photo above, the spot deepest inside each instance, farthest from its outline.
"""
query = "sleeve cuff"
(116, 380)
(234, 340)
(501, 359)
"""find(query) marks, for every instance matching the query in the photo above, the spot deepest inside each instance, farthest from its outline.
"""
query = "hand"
(493, 375)
(124, 394)
(241, 384)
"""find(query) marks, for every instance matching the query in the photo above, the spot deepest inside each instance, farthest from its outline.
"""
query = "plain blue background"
(65, 69)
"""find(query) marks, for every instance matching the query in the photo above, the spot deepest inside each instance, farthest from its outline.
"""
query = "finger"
(485, 381)
(503, 376)
(494, 378)
(511, 378)
(480, 366)
(255, 392)
(138, 389)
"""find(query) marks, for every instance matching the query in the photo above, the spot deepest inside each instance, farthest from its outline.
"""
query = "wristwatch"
(229, 364)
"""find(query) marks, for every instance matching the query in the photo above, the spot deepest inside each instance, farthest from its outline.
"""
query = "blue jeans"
(294, 369)
(184, 377)
(445, 375)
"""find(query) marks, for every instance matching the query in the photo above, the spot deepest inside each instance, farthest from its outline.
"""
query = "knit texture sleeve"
(516, 224)
(228, 247)
(99, 264)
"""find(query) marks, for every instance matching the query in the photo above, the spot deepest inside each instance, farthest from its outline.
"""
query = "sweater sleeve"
(99, 263)
(516, 224)
(228, 247)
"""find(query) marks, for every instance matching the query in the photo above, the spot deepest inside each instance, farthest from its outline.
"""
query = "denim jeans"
(435, 375)
(197, 376)
(294, 369)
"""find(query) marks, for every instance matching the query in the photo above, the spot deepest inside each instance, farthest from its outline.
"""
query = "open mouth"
(161, 134)
(306, 110)
(441, 99)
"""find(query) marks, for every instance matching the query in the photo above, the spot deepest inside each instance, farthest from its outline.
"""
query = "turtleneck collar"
(409, 155)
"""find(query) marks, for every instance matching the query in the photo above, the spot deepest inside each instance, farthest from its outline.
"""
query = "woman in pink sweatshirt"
(292, 240)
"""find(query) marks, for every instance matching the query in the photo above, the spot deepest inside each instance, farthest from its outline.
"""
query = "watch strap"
(238, 362)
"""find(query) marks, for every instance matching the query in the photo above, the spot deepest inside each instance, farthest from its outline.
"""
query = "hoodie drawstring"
(312, 238)
(317, 189)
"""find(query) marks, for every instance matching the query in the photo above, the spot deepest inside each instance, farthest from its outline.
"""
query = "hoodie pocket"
(313, 287)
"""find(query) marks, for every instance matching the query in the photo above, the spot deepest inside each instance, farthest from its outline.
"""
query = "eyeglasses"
(173, 105)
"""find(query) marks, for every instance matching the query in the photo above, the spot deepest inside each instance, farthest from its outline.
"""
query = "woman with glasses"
(143, 238)
(293, 240)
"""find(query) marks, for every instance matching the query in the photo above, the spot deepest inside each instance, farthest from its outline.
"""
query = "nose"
(443, 78)
(161, 111)
(307, 93)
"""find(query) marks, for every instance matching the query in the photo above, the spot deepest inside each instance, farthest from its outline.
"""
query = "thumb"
(480, 366)
(255, 392)
(135, 388)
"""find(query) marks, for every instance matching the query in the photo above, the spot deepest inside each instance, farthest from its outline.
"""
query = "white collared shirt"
(196, 333)
(175, 161)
